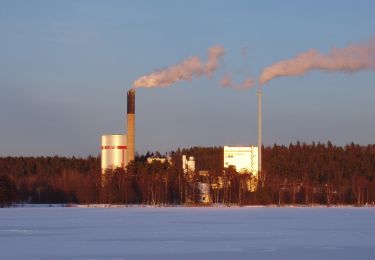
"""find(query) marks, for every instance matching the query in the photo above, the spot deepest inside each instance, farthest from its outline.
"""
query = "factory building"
(117, 150)
(244, 159)
(199, 184)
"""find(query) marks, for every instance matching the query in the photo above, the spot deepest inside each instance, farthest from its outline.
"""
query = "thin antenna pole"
(259, 93)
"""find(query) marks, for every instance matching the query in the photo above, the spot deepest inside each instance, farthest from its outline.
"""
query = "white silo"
(188, 165)
(113, 152)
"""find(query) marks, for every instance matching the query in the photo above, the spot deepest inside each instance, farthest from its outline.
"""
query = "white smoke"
(186, 70)
(353, 58)
(227, 82)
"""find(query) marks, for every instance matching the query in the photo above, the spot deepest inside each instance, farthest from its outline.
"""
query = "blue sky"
(65, 67)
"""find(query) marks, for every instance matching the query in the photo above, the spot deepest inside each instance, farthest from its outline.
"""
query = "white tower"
(260, 130)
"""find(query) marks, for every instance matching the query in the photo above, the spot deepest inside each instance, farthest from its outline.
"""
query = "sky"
(65, 67)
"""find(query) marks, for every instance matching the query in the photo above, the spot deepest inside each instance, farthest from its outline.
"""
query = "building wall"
(113, 152)
(245, 159)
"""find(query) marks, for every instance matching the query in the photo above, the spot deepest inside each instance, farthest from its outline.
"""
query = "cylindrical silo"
(113, 152)
(131, 125)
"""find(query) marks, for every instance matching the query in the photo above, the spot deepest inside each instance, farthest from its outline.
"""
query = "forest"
(298, 174)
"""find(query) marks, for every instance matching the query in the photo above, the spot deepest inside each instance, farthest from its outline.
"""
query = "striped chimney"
(131, 126)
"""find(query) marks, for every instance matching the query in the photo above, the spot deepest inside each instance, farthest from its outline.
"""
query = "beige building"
(245, 160)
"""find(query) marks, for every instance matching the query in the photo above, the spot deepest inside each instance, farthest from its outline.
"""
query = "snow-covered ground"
(187, 233)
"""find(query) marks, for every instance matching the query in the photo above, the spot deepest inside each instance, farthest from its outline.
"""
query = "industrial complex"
(117, 150)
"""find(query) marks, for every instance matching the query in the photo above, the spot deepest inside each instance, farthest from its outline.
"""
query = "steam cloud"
(227, 82)
(186, 70)
(350, 59)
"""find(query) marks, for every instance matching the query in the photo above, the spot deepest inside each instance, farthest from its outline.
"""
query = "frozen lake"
(187, 233)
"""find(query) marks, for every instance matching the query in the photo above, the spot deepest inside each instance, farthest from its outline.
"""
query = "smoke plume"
(353, 58)
(227, 82)
(186, 70)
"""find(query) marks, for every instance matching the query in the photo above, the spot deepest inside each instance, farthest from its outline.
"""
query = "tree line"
(296, 174)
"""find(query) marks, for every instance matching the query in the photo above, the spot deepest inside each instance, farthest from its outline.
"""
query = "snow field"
(187, 233)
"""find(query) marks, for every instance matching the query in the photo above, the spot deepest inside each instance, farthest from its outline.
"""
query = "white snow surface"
(187, 233)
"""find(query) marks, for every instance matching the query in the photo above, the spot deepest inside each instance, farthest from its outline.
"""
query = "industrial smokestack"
(130, 126)
(260, 131)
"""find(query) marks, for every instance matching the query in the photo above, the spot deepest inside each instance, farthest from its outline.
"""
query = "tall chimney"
(131, 126)
(259, 131)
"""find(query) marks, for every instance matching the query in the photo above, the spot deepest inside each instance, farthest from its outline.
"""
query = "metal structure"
(131, 126)
(204, 192)
(113, 152)
(259, 130)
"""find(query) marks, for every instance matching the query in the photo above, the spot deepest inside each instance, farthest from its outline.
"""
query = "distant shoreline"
(54, 205)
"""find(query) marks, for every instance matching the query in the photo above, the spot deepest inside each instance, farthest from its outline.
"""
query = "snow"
(187, 233)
